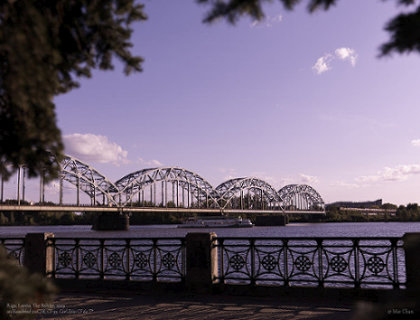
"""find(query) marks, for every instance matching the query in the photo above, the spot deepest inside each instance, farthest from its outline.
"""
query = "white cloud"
(267, 22)
(346, 54)
(345, 184)
(397, 173)
(415, 143)
(308, 179)
(151, 163)
(323, 63)
(90, 147)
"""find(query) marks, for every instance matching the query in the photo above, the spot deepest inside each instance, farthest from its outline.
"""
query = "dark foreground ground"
(128, 305)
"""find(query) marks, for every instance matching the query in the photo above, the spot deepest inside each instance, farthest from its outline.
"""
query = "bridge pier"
(279, 220)
(108, 221)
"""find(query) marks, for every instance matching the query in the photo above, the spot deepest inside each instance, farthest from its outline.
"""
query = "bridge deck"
(146, 209)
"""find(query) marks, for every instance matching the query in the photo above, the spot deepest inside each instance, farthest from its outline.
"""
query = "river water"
(343, 229)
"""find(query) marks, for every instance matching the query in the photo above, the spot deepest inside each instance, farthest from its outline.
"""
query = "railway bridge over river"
(163, 189)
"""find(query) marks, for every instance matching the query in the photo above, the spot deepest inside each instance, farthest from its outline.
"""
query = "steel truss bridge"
(169, 189)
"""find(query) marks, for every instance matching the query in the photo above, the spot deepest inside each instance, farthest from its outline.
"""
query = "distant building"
(368, 208)
(356, 205)
(369, 211)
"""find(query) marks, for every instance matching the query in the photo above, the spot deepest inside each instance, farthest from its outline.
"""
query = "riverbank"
(69, 218)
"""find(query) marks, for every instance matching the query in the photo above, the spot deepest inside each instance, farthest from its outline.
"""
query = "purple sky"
(297, 98)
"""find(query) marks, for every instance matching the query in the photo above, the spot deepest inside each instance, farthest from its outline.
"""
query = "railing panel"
(170, 259)
(339, 263)
(119, 259)
(321, 262)
(269, 262)
(237, 261)
(141, 263)
(15, 248)
(302, 261)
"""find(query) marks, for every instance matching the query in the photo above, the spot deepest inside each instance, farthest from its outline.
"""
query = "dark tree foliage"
(45, 46)
(404, 29)
(232, 10)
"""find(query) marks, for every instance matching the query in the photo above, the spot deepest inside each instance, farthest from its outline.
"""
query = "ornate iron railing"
(140, 259)
(323, 262)
(15, 248)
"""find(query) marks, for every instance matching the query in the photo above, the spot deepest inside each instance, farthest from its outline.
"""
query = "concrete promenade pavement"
(128, 305)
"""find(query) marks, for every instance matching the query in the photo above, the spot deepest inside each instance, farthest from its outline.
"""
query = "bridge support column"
(61, 192)
(278, 220)
(39, 257)
(23, 183)
(78, 191)
(42, 188)
(19, 176)
(2, 189)
(107, 221)
(201, 261)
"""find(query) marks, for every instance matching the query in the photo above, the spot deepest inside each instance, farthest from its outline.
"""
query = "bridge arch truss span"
(87, 179)
(301, 197)
(166, 186)
(248, 193)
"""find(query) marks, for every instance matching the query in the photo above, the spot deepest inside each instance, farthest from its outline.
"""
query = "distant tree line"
(411, 212)
(30, 218)
(41, 218)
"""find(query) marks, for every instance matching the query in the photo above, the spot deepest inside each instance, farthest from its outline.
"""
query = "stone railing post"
(201, 261)
(412, 260)
(38, 257)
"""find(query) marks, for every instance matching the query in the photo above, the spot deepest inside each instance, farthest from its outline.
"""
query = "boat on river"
(216, 222)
